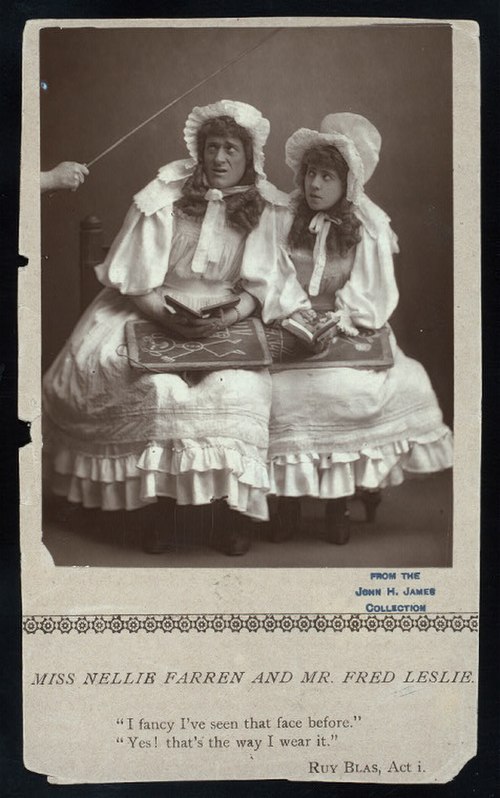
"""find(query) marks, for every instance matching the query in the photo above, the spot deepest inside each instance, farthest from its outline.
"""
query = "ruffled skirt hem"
(114, 478)
(333, 475)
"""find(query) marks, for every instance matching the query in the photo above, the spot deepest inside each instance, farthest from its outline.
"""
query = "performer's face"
(322, 188)
(224, 161)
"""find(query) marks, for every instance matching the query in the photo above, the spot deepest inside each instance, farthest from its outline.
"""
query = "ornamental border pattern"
(250, 622)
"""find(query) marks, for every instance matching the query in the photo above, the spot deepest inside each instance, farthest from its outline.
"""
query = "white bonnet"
(243, 114)
(353, 135)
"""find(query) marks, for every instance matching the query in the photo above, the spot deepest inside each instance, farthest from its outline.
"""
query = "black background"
(481, 776)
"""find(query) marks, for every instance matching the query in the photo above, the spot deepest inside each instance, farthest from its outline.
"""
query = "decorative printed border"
(258, 622)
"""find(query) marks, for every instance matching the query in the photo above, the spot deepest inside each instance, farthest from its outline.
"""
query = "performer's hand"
(191, 328)
(183, 325)
(203, 328)
(324, 341)
(177, 324)
(66, 175)
(233, 315)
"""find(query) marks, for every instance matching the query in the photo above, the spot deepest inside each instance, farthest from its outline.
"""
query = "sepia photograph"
(247, 272)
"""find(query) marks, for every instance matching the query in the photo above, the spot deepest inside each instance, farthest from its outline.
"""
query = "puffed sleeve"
(138, 258)
(370, 295)
(267, 273)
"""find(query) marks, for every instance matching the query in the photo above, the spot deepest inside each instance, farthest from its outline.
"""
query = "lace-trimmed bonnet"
(243, 114)
(357, 140)
(165, 189)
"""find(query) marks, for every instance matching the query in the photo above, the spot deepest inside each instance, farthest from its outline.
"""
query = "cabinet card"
(300, 659)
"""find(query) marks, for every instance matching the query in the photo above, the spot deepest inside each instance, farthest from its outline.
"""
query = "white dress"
(118, 438)
(335, 430)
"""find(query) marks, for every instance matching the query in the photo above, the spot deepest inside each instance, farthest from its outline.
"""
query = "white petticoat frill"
(125, 476)
(337, 474)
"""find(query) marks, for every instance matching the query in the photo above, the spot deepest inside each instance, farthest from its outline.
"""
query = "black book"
(176, 306)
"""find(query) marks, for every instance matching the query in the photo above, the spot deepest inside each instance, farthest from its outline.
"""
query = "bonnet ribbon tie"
(210, 242)
(320, 227)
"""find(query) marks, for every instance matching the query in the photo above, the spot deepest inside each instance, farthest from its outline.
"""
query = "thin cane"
(218, 71)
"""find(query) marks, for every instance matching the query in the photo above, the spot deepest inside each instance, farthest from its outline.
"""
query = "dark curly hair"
(341, 237)
(243, 210)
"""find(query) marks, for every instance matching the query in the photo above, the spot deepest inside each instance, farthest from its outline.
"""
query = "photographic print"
(349, 451)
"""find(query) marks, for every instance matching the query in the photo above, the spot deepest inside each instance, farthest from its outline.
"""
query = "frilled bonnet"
(243, 114)
(165, 188)
(357, 140)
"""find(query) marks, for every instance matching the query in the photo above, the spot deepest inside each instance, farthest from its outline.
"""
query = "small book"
(370, 349)
(309, 328)
(176, 306)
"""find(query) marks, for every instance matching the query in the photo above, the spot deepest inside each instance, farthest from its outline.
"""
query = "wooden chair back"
(92, 252)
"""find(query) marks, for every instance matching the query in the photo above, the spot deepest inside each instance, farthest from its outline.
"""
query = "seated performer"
(335, 430)
(118, 438)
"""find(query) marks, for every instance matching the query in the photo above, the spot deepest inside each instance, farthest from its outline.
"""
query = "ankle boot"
(337, 526)
(158, 526)
(231, 535)
(285, 524)
(371, 500)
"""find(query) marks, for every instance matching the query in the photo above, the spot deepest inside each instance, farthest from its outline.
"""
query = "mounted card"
(297, 658)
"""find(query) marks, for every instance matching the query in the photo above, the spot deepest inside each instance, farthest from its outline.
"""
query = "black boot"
(158, 526)
(337, 528)
(371, 500)
(286, 522)
(231, 534)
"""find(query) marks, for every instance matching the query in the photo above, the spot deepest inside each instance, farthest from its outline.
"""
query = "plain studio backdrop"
(97, 84)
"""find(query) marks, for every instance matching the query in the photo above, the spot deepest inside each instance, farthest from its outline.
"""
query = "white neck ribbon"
(210, 242)
(320, 226)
